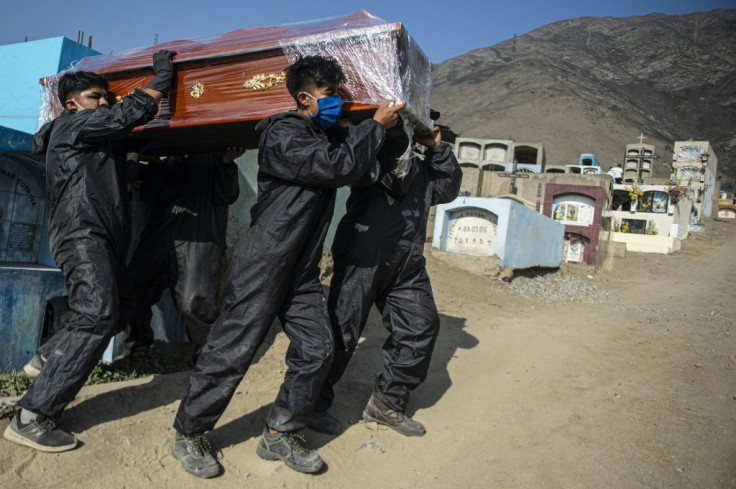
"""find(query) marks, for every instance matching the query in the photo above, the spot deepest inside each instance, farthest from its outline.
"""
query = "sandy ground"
(637, 392)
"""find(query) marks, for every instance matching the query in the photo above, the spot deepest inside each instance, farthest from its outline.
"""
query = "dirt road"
(636, 392)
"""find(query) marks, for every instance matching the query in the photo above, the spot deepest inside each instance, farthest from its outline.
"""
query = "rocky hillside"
(595, 84)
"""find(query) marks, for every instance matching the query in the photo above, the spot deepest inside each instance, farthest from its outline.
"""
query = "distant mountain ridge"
(594, 84)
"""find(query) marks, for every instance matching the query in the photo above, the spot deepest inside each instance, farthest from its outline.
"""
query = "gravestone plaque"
(21, 236)
(472, 231)
(689, 153)
(688, 174)
(23, 206)
(573, 250)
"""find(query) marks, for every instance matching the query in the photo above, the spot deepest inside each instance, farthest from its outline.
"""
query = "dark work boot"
(289, 447)
(195, 454)
(40, 433)
(377, 411)
(324, 422)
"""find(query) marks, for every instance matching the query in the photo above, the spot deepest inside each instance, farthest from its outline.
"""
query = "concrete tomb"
(518, 236)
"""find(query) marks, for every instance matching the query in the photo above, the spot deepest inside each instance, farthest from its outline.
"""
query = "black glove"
(164, 69)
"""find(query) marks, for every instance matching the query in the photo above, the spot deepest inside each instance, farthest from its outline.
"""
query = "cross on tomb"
(641, 157)
(513, 176)
(641, 138)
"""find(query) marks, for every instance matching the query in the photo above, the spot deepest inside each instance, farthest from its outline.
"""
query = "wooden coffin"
(225, 84)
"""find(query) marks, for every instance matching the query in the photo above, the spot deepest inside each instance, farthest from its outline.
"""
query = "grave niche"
(496, 152)
(469, 151)
(471, 176)
(472, 230)
(573, 249)
(579, 208)
(526, 154)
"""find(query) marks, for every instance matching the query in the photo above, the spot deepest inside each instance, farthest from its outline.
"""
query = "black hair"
(78, 81)
(309, 72)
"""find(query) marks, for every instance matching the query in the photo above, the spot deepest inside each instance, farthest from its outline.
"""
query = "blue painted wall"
(588, 156)
(23, 65)
(532, 239)
(26, 285)
(24, 293)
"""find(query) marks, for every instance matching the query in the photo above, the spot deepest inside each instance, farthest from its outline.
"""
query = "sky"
(443, 30)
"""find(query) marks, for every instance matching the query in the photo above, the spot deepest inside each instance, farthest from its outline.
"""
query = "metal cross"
(513, 175)
(639, 165)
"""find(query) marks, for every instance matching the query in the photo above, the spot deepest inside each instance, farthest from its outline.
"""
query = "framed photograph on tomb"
(558, 211)
(577, 210)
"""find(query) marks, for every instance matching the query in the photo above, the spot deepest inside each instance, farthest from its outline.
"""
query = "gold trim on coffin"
(263, 81)
(197, 90)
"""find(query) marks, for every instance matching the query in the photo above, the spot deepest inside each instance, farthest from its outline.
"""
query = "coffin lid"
(234, 43)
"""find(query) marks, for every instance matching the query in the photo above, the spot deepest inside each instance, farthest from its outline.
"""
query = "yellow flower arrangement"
(634, 191)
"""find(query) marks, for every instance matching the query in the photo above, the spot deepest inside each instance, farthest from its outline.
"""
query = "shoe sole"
(31, 371)
(266, 454)
(11, 435)
(215, 470)
(368, 419)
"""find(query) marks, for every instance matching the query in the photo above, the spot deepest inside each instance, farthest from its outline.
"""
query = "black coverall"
(182, 244)
(275, 271)
(88, 233)
(378, 257)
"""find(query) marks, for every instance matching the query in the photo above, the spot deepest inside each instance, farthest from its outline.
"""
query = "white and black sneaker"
(40, 433)
(33, 368)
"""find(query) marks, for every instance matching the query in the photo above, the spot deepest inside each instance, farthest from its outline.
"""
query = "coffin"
(225, 84)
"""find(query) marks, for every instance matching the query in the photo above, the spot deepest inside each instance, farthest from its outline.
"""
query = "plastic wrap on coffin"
(224, 85)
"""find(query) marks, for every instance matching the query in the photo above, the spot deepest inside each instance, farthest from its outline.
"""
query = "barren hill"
(595, 84)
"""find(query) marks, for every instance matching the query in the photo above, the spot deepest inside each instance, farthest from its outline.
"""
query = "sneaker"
(33, 368)
(41, 434)
(195, 454)
(378, 412)
(324, 422)
(289, 447)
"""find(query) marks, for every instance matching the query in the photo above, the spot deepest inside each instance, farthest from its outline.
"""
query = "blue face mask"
(329, 111)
